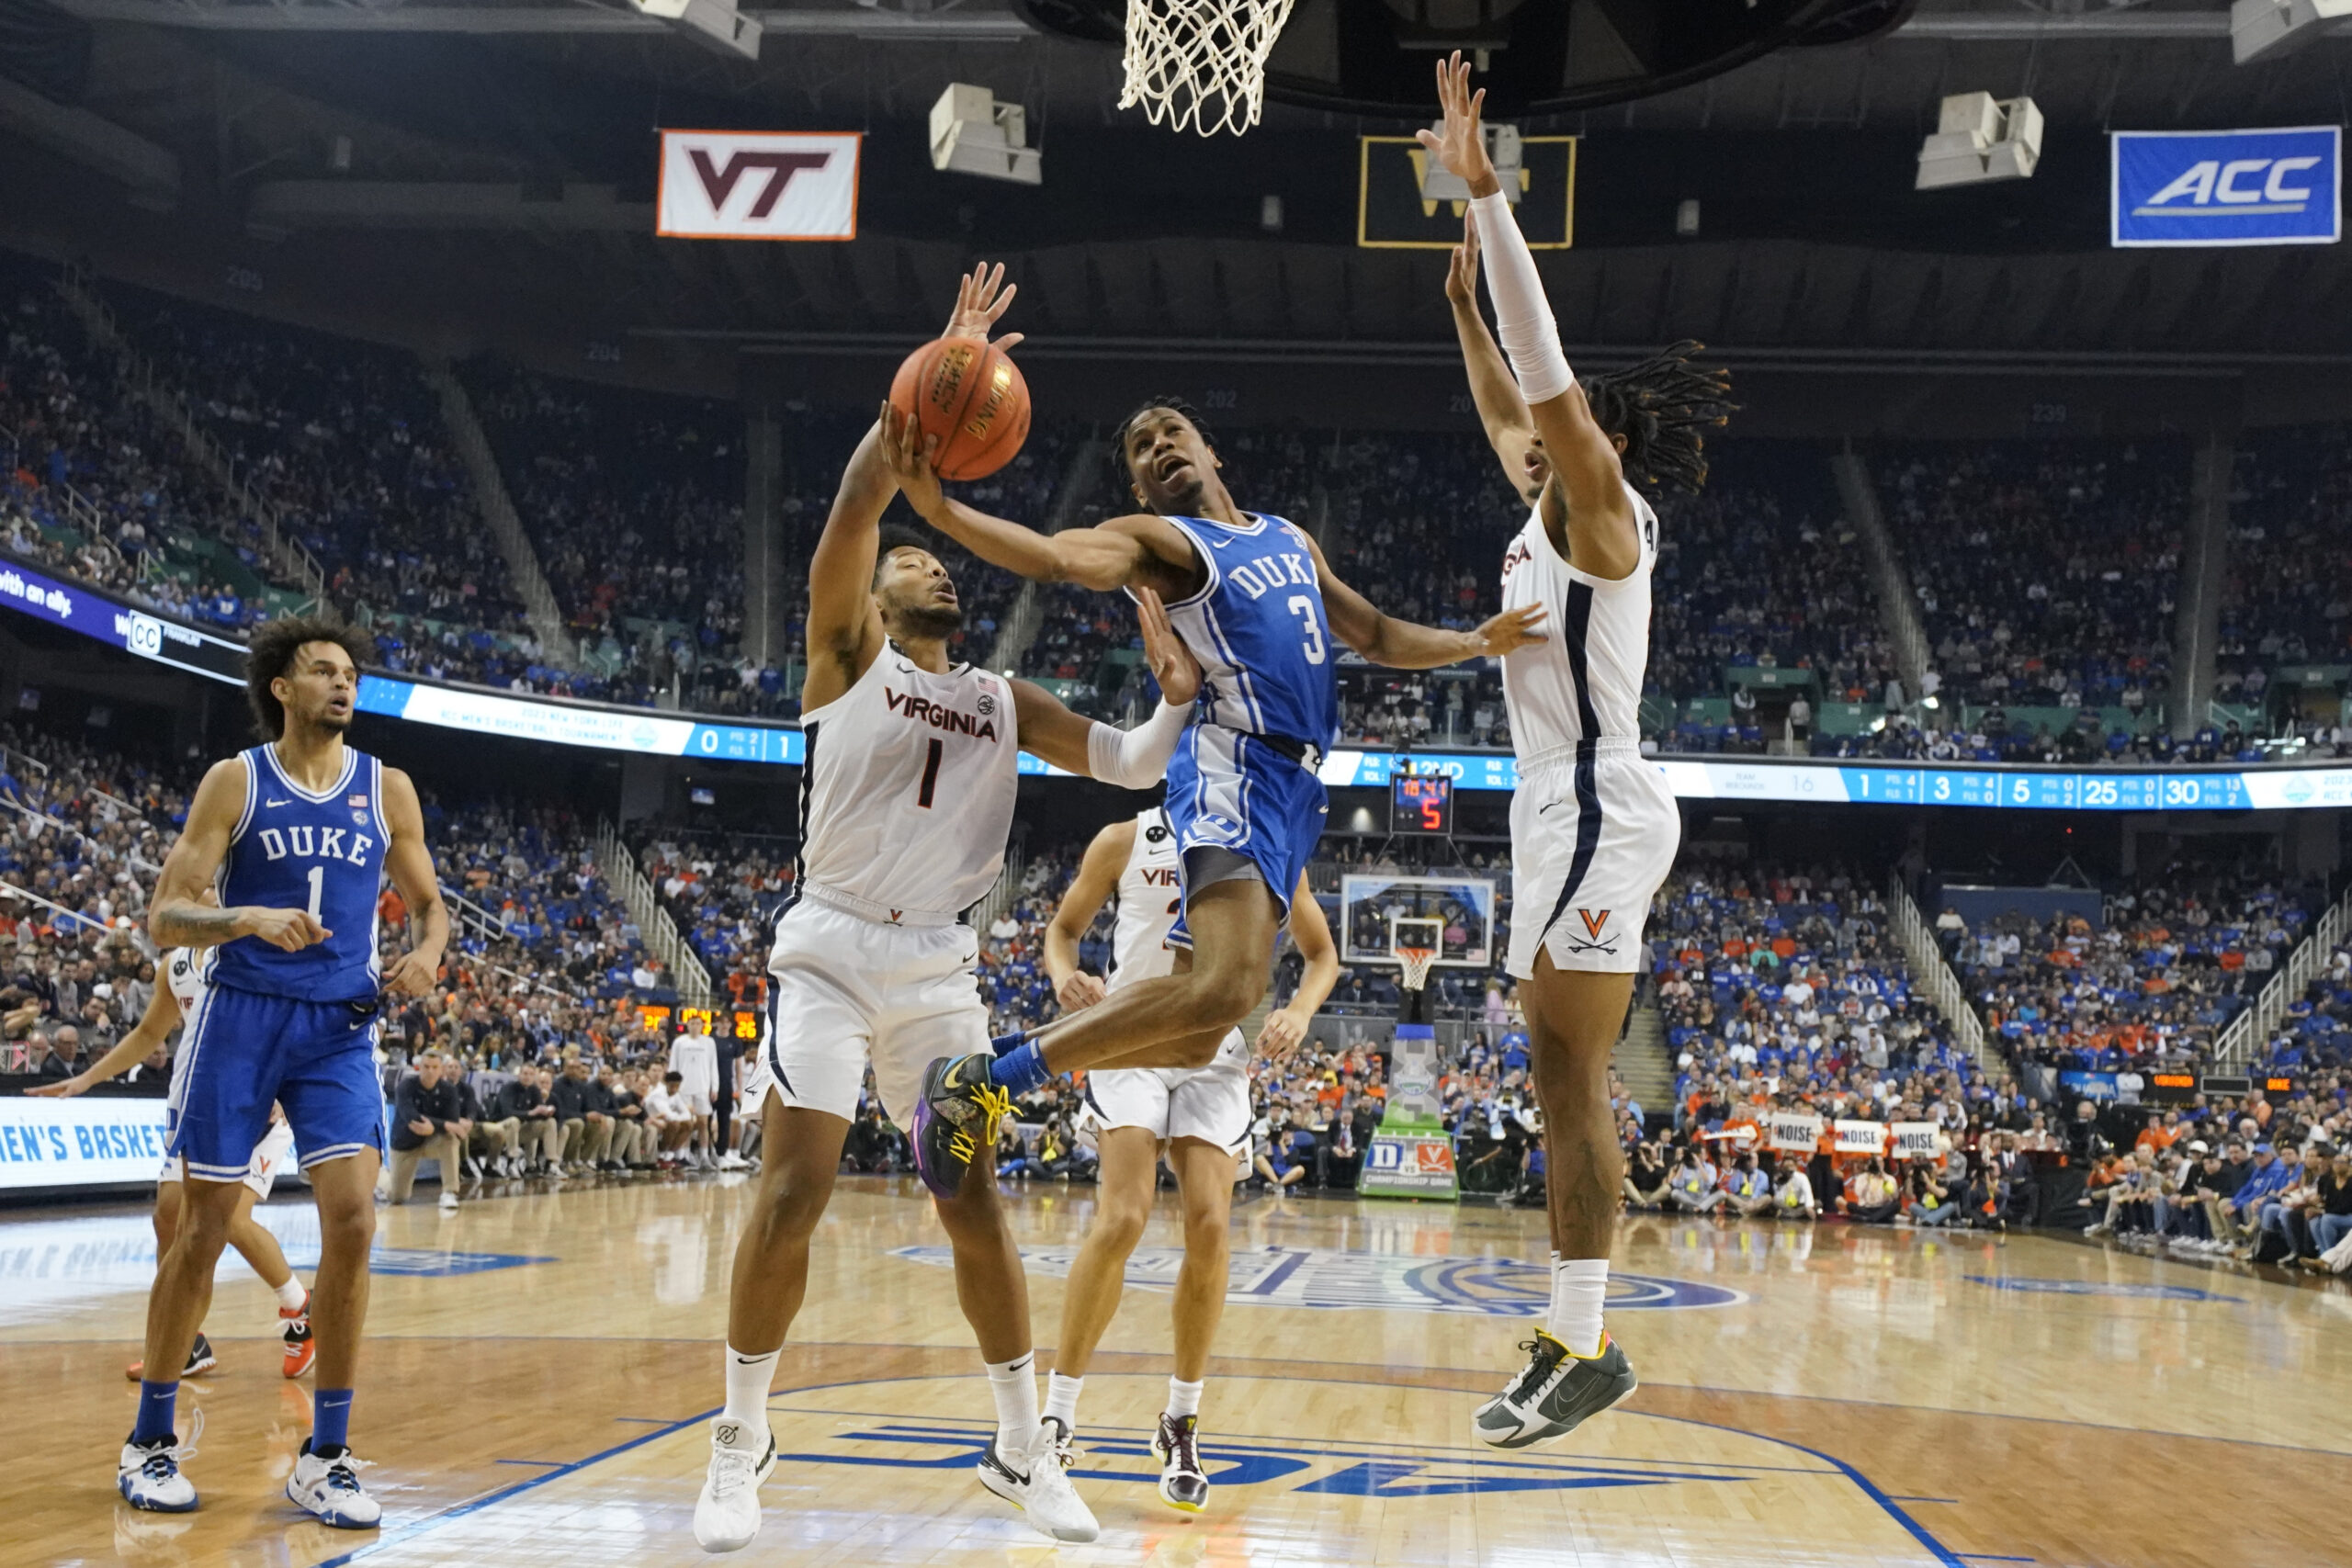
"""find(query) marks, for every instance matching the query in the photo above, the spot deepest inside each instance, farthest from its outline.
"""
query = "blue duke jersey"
(324, 852)
(1258, 629)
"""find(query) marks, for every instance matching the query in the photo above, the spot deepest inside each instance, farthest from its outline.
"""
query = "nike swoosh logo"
(274, 802)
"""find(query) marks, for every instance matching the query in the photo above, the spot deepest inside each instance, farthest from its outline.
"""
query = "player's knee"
(1121, 1225)
(1207, 1232)
(790, 1209)
(347, 1222)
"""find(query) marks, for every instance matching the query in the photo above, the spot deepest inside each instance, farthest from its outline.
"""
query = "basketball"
(970, 395)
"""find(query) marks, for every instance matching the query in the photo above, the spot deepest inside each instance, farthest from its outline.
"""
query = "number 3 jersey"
(295, 850)
(1258, 629)
(907, 791)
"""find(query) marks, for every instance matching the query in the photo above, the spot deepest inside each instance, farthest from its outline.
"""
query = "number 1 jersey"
(906, 790)
(324, 852)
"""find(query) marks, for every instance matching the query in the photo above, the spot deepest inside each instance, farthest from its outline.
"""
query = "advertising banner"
(1408, 1165)
(757, 185)
(85, 1142)
(2227, 187)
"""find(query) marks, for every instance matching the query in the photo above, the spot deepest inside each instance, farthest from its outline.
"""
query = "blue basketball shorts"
(1231, 791)
(242, 1050)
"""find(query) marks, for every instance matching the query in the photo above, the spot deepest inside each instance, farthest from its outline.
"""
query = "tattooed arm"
(178, 917)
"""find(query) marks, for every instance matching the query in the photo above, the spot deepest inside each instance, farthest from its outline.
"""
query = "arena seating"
(2290, 597)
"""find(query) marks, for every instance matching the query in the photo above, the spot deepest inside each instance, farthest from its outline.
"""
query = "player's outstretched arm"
(1601, 536)
(1501, 410)
(1285, 1026)
(409, 863)
(1133, 759)
(179, 917)
(154, 1026)
(1097, 878)
(1408, 645)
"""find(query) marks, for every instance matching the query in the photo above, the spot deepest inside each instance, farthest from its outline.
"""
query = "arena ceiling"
(215, 116)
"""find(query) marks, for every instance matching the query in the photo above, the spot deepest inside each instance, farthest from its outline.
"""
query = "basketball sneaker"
(956, 1116)
(1183, 1483)
(1555, 1395)
(200, 1359)
(301, 1349)
(1042, 1491)
(727, 1514)
(329, 1487)
(148, 1475)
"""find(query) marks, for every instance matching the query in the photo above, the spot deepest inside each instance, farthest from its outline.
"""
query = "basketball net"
(1416, 962)
(1201, 63)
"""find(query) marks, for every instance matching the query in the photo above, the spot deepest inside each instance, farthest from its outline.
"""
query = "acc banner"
(1862, 1138)
(1792, 1129)
(2227, 187)
(83, 1142)
(1915, 1140)
(750, 185)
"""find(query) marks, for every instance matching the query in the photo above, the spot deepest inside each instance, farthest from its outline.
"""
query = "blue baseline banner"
(89, 1141)
(2227, 187)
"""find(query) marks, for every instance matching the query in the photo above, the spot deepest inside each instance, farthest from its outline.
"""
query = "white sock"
(1014, 1383)
(748, 1380)
(1061, 1399)
(1578, 1286)
(1184, 1398)
(291, 1294)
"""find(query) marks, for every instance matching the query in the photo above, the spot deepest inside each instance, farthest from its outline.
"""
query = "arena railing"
(2252, 1029)
(1942, 988)
(658, 931)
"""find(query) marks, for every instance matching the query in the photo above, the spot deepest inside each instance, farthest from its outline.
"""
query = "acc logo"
(987, 704)
(1332, 1281)
(144, 635)
(2241, 184)
(2095, 1288)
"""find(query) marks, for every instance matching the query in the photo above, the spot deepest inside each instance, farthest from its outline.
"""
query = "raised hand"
(1172, 664)
(908, 452)
(1512, 628)
(981, 298)
(1462, 273)
(1460, 145)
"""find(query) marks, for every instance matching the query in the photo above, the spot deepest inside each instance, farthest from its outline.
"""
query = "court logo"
(1327, 1280)
(2098, 1288)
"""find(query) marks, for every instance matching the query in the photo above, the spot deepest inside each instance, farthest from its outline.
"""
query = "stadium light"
(714, 24)
(1502, 148)
(974, 133)
(2264, 29)
(1978, 139)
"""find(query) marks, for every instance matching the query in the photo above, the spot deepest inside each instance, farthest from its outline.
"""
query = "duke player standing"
(907, 798)
(296, 836)
(1594, 827)
(1260, 608)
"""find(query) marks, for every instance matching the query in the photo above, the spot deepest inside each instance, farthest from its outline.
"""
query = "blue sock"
(1005, 1044)
(158, 1405)
(1020, 1069)
(330, 1418)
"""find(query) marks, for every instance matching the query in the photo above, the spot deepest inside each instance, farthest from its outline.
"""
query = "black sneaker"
(955, 1117)
(1183, 1483)
(1555, 1395)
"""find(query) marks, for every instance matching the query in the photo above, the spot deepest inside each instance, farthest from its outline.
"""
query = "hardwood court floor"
(541, 1366)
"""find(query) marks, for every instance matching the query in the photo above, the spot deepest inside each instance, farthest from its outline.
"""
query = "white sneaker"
(730, 1160)
(148, 1476)
(727, 1514)
(330, 1489)
(448, 1202)
(1044, 1492)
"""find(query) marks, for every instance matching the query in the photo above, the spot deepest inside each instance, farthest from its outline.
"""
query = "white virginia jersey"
(1151, 894)
(183, 975)
(907, 789)
(1584, 681)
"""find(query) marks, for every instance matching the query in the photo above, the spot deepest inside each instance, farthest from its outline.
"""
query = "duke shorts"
(261, 1171)
(1230, 791)
(851, 991)
(242, 1050)
(1593, 832)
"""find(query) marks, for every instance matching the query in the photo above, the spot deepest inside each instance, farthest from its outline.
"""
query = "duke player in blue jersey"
(296, 836)
(1259, 607)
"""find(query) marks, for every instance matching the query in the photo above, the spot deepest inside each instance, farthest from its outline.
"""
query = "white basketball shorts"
(1590, 842)
(848, 991)
(1209, 1104)
(261, 1172)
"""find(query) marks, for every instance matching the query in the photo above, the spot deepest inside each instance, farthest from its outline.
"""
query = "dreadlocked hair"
(1662, 407)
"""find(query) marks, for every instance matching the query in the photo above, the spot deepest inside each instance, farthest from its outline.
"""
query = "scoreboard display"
(1420, 804)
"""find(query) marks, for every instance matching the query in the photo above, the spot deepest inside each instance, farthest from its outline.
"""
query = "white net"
(1201, 63)
(1416, 962)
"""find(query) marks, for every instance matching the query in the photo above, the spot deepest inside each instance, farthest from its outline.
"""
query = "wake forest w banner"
(750, 185)
(2228, 187)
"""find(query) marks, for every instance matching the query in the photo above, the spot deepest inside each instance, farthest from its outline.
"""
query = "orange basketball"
(970, 395)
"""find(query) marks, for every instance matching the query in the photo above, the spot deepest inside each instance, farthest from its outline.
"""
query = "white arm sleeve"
(1522, 316)
(1137, 758)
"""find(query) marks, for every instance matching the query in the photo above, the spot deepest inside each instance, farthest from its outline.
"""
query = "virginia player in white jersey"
(907, 797)
(296, 836)
(1198, 1117)
(177, 994)
(1594, 828)
(1259, 607)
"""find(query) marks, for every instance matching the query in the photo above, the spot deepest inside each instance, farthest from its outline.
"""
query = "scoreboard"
(1420, 804)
